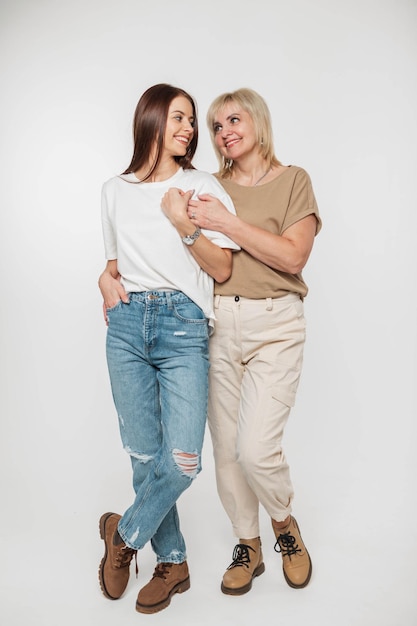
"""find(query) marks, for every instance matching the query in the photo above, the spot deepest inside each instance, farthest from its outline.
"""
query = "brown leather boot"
(246, 565)
(296, 562)
(167, 579)
(114, 566)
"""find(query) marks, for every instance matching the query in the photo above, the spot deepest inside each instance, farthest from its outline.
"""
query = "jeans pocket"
(189, 312)
(115, 307)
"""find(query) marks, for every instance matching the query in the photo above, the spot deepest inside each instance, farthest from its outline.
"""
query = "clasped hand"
(174, 204)
(208, 212)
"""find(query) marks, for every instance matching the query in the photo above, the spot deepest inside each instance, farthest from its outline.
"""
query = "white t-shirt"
(149, 251)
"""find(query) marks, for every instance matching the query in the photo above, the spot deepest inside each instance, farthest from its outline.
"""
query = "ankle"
(250, 542)
(281, 525)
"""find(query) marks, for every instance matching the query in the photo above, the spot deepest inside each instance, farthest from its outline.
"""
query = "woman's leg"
(134, 386)
(226, 373)
(273, 352)
(273, 342)
(175, 343)
(256, 360)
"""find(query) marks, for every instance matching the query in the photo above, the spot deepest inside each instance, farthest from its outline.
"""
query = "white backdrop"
(340, 80)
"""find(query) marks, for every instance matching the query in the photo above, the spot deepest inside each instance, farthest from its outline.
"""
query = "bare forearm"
(110, 269)
(272, 250)
(287, 253)
(216, 261)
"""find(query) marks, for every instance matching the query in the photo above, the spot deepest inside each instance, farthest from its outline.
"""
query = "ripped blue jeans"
(157, 354)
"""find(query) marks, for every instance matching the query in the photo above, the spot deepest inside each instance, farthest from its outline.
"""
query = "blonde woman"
(256, 351)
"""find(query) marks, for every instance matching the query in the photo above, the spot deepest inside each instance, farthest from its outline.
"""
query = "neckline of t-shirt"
(288, 167)
(132, 178)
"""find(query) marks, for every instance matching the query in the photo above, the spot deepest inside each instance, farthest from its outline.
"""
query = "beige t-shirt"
(273, 206)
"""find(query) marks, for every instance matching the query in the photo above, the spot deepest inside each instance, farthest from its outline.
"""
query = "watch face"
(190, 239)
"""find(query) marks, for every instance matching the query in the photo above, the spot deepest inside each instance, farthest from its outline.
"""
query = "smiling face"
(179, 129)
(234, 132)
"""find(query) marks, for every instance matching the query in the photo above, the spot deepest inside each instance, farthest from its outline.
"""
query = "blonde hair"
(251, 102)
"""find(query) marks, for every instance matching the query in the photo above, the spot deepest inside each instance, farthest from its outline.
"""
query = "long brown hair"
(149, 125)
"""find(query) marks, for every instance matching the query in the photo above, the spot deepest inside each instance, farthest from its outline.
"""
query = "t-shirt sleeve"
(214, 236)
(109, 236)
(302, 202)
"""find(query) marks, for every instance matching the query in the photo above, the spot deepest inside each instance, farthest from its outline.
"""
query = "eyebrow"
(227, 118)
(182, 113)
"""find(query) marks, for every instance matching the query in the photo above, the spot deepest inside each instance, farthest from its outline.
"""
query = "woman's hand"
(111, 288)
(208, 212)
(174, 204)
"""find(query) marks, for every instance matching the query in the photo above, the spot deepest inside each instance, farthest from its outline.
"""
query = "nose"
(226, 131)
(188, 126)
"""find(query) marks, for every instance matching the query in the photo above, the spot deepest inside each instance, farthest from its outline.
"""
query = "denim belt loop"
(169, 300)
(216, 301)
(269, 304)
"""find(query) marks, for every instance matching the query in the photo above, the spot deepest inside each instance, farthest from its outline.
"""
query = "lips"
(183, 140)
(231, 143)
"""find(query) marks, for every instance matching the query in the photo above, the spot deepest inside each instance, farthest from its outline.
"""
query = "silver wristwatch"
(190, 239)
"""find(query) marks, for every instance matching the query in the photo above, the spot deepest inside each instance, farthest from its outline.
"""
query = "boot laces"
(241, 557)
(286, 544)
(161, 570)
(124, 556)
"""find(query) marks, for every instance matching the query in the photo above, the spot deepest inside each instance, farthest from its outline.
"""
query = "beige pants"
(256, 355)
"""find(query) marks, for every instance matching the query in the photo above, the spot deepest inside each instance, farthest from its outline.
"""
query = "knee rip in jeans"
(186, 463)
(142, 458)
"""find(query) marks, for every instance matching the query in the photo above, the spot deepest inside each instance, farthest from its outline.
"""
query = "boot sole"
(102, 525)
(184, 585)
(241, 590)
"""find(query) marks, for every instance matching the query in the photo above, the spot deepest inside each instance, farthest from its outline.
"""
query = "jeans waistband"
(165, 297)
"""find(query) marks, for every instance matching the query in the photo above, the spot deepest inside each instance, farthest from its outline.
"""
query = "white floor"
(364, 571)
